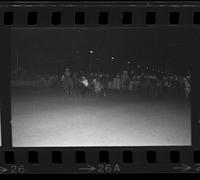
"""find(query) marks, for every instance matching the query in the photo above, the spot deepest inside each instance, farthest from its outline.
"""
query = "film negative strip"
(99, 87)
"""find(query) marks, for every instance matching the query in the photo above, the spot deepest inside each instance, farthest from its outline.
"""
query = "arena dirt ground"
(44, 117)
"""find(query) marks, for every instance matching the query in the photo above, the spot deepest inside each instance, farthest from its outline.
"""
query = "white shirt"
(85, 82)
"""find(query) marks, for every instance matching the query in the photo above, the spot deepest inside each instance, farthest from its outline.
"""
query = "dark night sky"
(156, 46)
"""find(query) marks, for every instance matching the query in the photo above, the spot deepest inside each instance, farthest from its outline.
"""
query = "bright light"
(91, 52)
(112, 58)
(128, 62)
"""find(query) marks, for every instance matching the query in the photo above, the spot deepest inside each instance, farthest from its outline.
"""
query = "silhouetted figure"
(67, 81)
(84, 86)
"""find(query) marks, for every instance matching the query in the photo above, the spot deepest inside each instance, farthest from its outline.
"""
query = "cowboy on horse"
(67, 81)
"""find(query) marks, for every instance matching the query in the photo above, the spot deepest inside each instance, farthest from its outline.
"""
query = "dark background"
(51, 50)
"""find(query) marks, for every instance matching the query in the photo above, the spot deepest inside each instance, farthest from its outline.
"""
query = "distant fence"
(28, 83)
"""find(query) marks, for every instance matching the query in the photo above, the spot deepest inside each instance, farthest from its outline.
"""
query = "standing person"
(131, 84)
(142, 83)
(181, 86)
(84, 85)
(176, 85)
(67, 81)
(52, 80)
(187, 88)
(75, 80)
(106, 81)
(98, 88)
(151, 86)
(137, 83)
(115, 82)
(101, 78)
(90, 78)
(165, 85)
(125, 80)
(118, 82)
(148, 84)
(158, 88)
(154, 85)
(110, 81)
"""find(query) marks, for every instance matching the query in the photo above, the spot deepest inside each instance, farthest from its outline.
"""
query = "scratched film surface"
(101, 87)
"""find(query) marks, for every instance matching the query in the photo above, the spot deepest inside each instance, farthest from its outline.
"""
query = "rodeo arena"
(154, 84)
(81, 108)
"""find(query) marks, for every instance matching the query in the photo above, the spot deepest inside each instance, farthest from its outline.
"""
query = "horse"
(68, 84)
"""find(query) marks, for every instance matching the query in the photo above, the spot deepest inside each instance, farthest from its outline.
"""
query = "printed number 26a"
(108, 168)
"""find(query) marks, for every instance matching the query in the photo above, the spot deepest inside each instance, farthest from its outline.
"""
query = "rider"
(67, 81)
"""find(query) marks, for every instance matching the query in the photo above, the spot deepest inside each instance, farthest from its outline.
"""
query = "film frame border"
(95, 159)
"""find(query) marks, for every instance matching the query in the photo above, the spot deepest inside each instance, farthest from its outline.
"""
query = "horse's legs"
(65, 89)
(71, 87)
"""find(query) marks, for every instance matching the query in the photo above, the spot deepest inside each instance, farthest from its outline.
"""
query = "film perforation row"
(127, 157)
(127, 18)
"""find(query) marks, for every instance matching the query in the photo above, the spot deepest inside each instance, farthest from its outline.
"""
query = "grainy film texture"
(101, 86)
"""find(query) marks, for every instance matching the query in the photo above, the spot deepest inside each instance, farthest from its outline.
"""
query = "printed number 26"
(17, 169)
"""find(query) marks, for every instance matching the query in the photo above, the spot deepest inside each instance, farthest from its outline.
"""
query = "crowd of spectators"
(147, 83)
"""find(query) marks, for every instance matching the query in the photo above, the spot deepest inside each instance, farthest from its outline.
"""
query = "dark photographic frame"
(102, 159)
